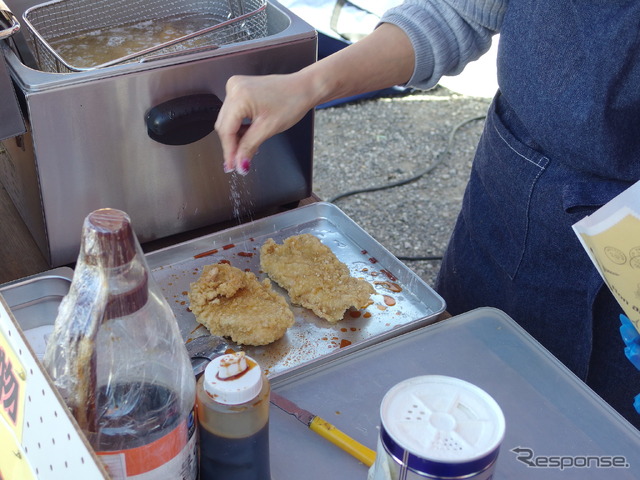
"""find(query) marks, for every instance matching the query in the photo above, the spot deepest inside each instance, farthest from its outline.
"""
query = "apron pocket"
(583, 197)
(498, 197)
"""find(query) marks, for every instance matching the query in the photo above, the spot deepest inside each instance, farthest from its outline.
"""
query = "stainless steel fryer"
(139, 137)
(228, 21)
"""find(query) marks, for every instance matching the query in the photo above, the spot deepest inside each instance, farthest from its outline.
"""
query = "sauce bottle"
(233, 416)
(119, 361)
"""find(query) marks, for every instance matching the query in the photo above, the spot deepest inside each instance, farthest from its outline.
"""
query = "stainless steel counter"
(549, 412)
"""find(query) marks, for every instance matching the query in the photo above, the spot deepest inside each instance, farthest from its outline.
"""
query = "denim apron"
(562, 138)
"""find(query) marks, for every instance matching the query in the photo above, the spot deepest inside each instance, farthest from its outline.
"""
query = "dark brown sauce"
(206, 254)
(125, 423)
(389, 275)
(389, 301)
(197, 328)
(245, 458)
(392, 286)
(250, 365)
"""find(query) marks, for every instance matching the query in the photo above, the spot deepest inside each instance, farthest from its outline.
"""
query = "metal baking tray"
(34, 303)
(549, 412)
(402, 302)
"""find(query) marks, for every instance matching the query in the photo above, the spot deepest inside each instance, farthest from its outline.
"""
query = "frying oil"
(88, 49)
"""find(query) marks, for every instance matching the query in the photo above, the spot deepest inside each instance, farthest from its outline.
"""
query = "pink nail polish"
(245, 165)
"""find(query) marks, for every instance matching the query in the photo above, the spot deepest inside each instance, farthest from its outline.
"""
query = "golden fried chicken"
(314, 277)
(233, 303)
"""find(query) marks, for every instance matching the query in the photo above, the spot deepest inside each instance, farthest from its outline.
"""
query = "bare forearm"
(274, 103)
(382, 59)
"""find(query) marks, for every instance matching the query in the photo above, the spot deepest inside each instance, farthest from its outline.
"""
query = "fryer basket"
(223, 22)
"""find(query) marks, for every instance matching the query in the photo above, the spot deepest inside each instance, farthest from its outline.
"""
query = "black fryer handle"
(183, 120)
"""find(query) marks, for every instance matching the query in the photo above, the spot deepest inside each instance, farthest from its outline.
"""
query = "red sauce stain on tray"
(344, 343)
(198, 327)
(229, 246)
(392, 286)
(389, 275)
(355, 313)
(389, 301)
(206, 254)
(245, 254)
(225, 261)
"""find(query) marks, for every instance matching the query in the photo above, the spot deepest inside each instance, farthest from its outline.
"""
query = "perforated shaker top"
(442, 418)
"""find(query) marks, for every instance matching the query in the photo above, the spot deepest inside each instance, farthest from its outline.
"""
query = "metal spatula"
(204, 349)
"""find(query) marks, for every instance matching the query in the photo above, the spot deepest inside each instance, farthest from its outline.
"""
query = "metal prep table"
(549, 412)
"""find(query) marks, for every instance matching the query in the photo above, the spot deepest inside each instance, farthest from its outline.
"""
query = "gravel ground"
(378, 142)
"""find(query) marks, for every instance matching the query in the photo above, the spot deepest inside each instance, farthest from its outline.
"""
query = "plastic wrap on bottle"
(117, 357)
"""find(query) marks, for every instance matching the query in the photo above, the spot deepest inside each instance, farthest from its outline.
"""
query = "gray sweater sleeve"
(446, 34)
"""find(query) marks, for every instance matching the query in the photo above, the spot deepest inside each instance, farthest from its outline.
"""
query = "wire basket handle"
(9, 19)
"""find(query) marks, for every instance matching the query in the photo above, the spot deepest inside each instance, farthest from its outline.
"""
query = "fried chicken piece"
(233, 303)
(314, 277)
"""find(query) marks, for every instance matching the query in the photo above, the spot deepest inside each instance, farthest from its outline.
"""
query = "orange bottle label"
(172, 456)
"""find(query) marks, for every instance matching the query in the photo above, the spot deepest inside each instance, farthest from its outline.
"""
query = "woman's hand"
(257, 107)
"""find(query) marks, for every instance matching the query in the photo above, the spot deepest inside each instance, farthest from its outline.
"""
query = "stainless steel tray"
(311, 339)
(547, 409)
(34, 303)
